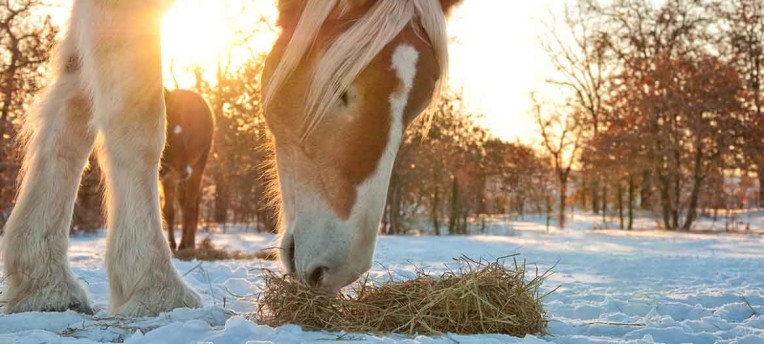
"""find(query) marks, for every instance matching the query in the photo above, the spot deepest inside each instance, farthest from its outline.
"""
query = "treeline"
(666, 112)
(448, 170)
(26, 39)
(665, 117)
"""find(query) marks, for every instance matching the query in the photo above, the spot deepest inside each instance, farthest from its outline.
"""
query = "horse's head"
(190, 127)
(342, 82)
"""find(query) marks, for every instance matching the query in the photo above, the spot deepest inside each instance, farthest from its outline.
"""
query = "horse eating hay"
(342, 81)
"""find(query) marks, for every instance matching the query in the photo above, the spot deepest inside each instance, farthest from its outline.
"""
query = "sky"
(496, 58)
(497, 61)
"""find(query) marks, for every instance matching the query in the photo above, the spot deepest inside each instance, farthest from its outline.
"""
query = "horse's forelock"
(312, 17)
(354, 49)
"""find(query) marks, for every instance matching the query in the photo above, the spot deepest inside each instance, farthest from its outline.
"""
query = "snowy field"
(614, 286)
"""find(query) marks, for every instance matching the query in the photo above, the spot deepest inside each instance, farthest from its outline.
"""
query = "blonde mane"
(352, 51)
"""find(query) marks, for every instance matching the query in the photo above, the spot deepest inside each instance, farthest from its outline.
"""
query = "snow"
(643, 286)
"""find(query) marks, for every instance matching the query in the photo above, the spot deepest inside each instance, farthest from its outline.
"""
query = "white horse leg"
(59, 141)
(122, 64)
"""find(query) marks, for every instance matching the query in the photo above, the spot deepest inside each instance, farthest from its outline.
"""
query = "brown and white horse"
(190, 130)
(342, 82)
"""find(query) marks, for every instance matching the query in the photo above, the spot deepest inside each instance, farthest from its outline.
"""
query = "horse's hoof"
(75, 306)
(186, 246)
(82, 308)
(158, 297)
(55, 297)
(153, 306)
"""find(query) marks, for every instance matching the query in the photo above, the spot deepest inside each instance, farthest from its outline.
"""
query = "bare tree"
(25, 44)
(26, 39)
(578, 53)
(561, 138)
(742, 28)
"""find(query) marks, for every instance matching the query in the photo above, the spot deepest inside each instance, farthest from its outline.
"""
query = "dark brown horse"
(190, 128)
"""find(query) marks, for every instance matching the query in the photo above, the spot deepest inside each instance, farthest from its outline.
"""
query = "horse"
(190, 130)
(341, 83)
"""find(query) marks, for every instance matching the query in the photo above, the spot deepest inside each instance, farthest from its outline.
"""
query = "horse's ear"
(289, 13)
(447, 5)
(286, 5)
(346, 6)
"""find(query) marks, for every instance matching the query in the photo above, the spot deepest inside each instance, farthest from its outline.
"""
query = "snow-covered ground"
(614, 286)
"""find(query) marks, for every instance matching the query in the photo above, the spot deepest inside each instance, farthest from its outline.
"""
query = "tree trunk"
(434, 211)
(665, 202)
(697, 182)
(392, 209)
(595, 195)
(453, 217)
(631, 203)
(620, 205)
(563, 193)
(583, 201)
(675, 205)
(395, 212)
(761, 183)
(604, 202)
(221, 201)
(10, 73)
(463, 222)
(645, 191)
(480, 194)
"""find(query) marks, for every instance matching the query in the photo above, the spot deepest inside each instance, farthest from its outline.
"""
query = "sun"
(194, 32)
(202, 33)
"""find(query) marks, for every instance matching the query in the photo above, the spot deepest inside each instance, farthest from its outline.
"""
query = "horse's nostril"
(316, 276)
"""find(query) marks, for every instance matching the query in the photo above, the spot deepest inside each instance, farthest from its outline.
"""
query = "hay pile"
(206, 251)
(480, 297)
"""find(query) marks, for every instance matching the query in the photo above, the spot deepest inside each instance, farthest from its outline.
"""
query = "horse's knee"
(131, 143)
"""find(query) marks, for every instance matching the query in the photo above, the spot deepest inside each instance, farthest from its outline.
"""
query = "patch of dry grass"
(206, 251)
(480, 297)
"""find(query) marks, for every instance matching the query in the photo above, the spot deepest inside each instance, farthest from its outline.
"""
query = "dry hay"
(480, 297)
(206, 251)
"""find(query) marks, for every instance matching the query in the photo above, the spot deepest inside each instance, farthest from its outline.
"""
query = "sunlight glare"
(202, 33)
(195, 32)
(495, 55)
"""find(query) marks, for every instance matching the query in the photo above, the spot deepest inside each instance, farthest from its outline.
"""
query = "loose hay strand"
(479, 297)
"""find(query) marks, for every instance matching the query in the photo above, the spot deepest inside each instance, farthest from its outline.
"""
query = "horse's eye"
(344, 98)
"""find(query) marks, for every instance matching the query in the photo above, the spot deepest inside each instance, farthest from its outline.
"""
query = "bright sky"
(496, 58)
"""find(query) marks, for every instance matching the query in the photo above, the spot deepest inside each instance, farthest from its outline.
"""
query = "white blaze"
(372, 193)
(347, 246)
(404, 64)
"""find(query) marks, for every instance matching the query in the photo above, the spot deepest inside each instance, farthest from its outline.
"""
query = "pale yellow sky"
(497, 61)
(496, 58)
